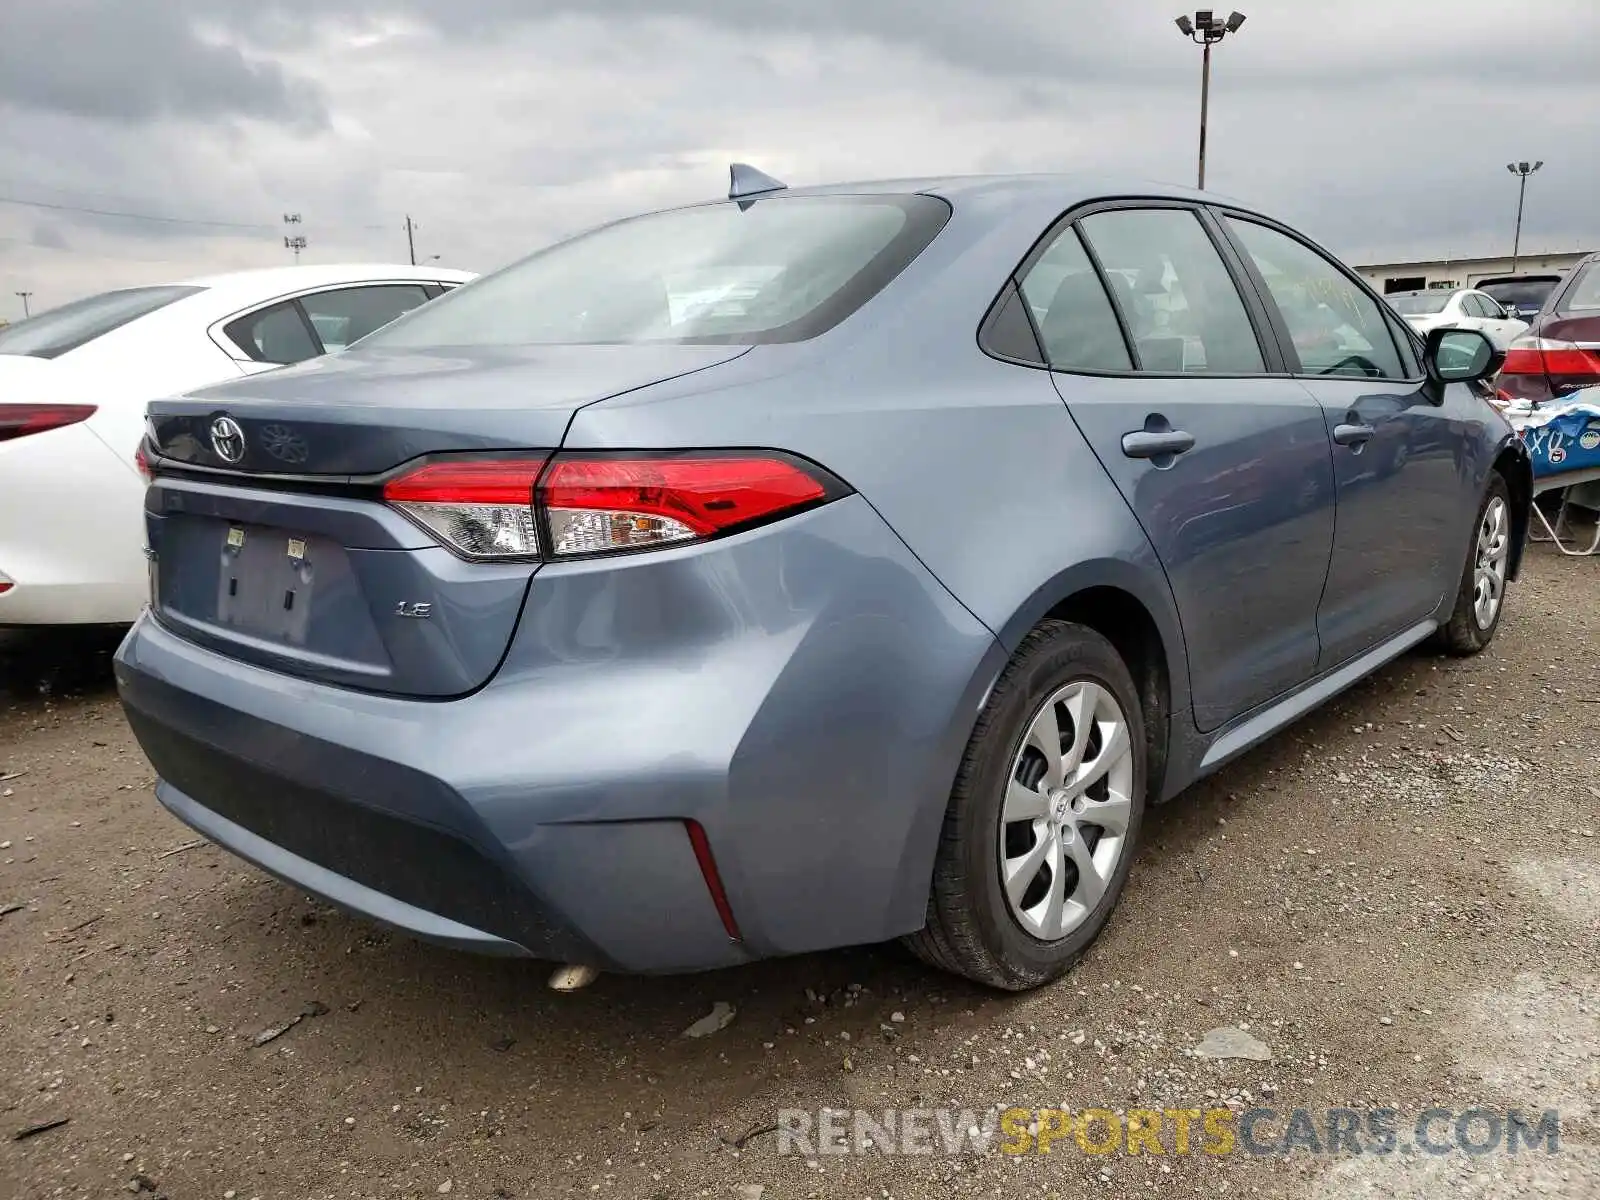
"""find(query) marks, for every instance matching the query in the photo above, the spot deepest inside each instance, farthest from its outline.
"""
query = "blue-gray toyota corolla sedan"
(808, 568)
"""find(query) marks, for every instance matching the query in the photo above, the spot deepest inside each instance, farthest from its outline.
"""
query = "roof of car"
(1069, 187)
(290, 279)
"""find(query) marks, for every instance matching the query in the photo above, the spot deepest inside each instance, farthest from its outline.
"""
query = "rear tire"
(1035, 850)
(1480, 599)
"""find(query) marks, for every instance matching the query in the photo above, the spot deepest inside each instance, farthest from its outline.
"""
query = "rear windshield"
(1520, 293)
(1418, 304)
(1585, 291)
(53, 333)
(780, 269)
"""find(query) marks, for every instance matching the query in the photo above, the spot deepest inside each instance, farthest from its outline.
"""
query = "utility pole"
(1521, 170)
(25, 311)
(1206, 29)
(297, 242)
(411, 244)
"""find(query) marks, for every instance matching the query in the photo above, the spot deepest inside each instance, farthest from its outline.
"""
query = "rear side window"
(274, 335)
(53, 333)
(1076, 323)
(777, 269)
(1419, 304)
(1584, 295)
(1175, 295)
(1336, 327)
(350, 314)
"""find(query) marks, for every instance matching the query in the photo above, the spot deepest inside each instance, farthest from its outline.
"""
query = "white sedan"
(74, 382)
(1465, 308)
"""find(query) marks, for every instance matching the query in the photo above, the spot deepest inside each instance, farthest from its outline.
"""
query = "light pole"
(1206, 29)
(25, 312)
(1521, 170)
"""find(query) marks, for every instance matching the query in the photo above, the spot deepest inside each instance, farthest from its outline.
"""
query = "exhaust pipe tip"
(569, 978)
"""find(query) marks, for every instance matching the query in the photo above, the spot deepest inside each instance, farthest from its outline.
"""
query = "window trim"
(1291, 357)
(1273, 362)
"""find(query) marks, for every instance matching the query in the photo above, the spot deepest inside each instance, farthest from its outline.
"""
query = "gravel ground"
(1400, 897)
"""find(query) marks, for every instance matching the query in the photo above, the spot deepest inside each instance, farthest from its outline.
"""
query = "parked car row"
(1560, 353)
(1548, 325)
(74, 382)
(813, 568)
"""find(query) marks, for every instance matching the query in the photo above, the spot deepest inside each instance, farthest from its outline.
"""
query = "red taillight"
(19, 420)
(486, 509)
(601, 504)
(708, 870)
(482, 508)
(141, 463)
(1547, 356)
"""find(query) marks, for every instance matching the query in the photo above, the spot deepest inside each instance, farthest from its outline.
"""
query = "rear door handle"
(1353, 435)
(1148, 444)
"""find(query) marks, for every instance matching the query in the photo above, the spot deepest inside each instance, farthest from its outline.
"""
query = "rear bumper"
(803, 692)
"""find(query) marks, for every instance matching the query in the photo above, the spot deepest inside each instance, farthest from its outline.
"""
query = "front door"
(1397, 454)
(1226, 467)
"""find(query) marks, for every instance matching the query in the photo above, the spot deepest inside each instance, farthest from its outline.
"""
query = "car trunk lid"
(270, 541)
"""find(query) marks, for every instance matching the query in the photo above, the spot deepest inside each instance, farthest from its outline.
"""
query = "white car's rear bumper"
(71, 531)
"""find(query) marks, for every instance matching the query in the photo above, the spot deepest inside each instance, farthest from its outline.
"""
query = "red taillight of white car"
(21, 420)
(1549, 356)
(495, 509)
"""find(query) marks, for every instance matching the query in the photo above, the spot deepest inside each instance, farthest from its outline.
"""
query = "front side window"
(349, 314)
(1077, 325)
(1176, 296)
(1337, 328)
(51, 334)
(1491, 309)
(778, 269)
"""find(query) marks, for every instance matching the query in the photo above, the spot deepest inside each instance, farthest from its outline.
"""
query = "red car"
(1560, 353)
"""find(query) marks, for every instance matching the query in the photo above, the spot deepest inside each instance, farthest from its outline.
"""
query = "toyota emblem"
(227, 439)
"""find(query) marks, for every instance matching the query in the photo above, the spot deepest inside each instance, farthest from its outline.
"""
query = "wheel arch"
(1513, 465)
(1137, 616)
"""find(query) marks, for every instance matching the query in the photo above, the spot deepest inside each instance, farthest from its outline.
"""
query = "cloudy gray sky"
(1381, 127)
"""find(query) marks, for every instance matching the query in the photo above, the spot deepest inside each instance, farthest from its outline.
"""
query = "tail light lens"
(482, 509)
(141, 463)
(603, 504)
(19, 420)
(1548, 356)
(494, 509)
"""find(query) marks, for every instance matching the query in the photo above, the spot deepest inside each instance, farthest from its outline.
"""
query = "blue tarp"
(1562, 436)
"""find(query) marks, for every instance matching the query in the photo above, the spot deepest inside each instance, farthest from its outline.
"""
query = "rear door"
(1400, 457)
(1225, 463)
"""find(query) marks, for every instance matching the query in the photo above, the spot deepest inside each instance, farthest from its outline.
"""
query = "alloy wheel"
(1064, 820)
(1493, 551)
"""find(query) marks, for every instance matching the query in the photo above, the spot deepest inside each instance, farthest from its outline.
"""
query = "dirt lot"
(1400, 897)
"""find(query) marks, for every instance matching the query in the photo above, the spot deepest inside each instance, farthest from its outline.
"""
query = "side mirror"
(1461, 356)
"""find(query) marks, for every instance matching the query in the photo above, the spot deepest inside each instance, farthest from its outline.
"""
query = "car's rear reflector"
(596, 505)
(20, 420)
(481, 508)
(708, 870)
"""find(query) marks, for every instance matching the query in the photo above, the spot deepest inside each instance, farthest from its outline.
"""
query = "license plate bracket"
(265, 583)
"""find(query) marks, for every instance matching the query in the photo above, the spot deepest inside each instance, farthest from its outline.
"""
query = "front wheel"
(1481, 596)
(1044, 817)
